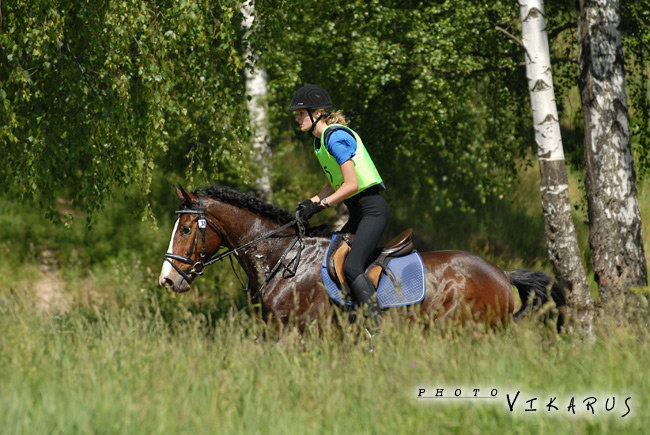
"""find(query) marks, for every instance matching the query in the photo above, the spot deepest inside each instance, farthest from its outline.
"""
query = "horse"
(282, 258)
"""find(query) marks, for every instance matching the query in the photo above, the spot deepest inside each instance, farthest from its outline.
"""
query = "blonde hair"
(336, 117)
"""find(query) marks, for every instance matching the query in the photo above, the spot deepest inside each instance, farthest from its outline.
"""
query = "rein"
(204, 222)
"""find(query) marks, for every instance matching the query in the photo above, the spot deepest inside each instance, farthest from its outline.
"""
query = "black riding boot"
(365, 293)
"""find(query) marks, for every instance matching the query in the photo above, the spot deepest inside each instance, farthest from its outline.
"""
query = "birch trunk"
(614, 218)
(257, 107)
(561, 239)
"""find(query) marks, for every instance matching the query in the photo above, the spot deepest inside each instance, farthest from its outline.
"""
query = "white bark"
(561, 239)
(256, 86)
(540, 82)
(614, 216)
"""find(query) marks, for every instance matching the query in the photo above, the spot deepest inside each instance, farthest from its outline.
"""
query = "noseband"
(204, 222)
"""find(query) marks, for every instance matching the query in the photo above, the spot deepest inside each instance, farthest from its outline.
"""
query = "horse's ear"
(182, 194)
(179, 192)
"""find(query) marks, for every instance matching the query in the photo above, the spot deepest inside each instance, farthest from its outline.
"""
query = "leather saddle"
(398, 247)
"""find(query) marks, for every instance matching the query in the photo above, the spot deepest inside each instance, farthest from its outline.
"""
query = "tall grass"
(128, 373)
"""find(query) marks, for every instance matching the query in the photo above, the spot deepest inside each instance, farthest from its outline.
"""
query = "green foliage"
(636, 25)
(94, 94)
(434, 90)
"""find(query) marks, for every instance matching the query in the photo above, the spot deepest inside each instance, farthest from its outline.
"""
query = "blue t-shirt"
(342, 146)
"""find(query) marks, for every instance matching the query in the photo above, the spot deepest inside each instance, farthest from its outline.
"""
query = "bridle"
(197, 267)
(205, 222)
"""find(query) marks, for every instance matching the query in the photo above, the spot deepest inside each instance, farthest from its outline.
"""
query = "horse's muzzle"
(175, 282)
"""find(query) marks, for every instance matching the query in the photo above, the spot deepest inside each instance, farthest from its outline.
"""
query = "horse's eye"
(186, 230)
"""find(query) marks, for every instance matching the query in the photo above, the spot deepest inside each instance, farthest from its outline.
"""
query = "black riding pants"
(368, 218)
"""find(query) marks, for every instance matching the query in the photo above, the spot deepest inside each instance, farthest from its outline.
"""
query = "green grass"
(126, 373)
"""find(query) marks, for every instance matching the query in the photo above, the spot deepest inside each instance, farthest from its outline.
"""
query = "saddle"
(398, 247)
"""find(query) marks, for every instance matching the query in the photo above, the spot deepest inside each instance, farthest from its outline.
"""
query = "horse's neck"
(244, 227)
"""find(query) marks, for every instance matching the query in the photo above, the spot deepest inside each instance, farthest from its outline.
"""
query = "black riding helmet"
(311, 97)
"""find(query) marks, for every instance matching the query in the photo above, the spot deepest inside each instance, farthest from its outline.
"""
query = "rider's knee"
(352, 271)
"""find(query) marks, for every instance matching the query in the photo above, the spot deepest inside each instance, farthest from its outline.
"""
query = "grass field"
(126, 373)
(109, 352)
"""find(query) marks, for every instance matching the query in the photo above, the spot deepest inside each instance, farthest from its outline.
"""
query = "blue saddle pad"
(409, 289)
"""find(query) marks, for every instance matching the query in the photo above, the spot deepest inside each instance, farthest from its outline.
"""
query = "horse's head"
(195, 239)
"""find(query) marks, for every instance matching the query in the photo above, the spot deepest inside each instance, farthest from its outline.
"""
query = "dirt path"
(49, 288)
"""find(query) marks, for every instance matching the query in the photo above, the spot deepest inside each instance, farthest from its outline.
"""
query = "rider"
(351, 178)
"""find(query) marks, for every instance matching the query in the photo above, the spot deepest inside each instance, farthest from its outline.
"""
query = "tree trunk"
(257, 107)
(561, 240)
(614, 218)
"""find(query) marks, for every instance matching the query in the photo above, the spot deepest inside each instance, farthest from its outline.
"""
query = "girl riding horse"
(351, 178)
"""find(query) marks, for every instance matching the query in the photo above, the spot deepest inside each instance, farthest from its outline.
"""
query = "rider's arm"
(350, 184)
(324, 193)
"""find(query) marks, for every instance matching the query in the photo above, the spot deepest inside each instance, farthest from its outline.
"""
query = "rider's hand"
(308, 208)
(303, 204)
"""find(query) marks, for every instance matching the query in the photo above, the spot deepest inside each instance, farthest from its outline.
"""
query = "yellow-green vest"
(365, 169)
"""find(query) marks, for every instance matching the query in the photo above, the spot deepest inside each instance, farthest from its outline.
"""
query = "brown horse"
(283, 261)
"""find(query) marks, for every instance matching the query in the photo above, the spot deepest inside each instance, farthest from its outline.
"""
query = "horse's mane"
(251, 202)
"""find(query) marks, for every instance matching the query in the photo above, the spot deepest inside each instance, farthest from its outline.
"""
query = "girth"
(398, 247)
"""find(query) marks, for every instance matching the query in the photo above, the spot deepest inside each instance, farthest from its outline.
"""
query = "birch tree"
(614, 217)
(562, 243)
(256, 102)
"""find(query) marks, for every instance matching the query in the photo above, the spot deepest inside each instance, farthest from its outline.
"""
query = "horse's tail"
(534, 292)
